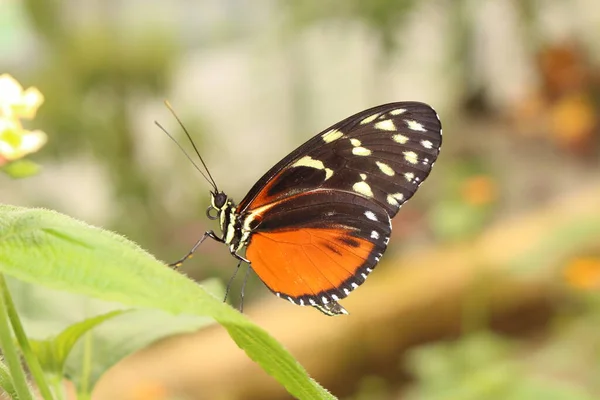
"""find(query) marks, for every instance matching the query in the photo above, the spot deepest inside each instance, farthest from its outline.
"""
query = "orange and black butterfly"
(317, 223)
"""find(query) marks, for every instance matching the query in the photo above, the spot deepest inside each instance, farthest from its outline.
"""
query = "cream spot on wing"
(386, 169)
(363, 188)
(308, 161)
(398, 111)
(386, 125)
(361, 151)
(409, 176)
(371, 215)
(331, 135)
(363, 176)
(370, 118)
(355, 142)
(411, 157)
(395, 199)
(427, 144)
(415, 126)
(398, 138)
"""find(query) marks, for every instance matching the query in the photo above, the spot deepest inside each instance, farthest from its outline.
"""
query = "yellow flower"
(16, 102)
(16, 142)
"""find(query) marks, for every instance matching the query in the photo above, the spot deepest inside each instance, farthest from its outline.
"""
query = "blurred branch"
(397, 309)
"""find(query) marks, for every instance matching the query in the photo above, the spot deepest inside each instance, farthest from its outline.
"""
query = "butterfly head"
(218, 203)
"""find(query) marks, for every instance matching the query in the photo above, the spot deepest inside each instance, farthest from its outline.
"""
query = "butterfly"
(318, 222)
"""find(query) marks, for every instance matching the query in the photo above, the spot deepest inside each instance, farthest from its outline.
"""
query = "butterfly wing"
(319, 220)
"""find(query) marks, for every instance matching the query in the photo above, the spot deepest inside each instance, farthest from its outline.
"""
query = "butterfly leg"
(231, 280)
(244, 288)
(190, 254)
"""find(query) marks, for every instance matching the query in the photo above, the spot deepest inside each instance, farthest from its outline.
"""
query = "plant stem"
(59, 388)
(86, 367)
(10, 352)
(32, 362)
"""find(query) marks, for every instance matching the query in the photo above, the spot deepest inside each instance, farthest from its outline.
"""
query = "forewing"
(382, 154)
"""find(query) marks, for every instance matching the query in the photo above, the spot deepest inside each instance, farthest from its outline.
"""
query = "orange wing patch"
(307, 261)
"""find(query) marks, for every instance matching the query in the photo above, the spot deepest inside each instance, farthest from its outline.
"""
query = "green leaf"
(21, 168)
(53, 250)
(53, 352)
(45, 312)
(6, 382)
(123, 335)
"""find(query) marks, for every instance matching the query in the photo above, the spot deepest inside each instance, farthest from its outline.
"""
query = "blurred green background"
(516, 84)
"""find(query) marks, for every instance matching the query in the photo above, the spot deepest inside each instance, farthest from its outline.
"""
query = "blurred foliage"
(383, 17)
(91, 73)
(488, 366)
(467, 200)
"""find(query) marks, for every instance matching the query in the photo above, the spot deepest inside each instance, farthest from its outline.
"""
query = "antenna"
(209, 179)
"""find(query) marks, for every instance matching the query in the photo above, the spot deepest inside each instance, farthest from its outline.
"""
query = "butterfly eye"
(212, 216)
(220, 200)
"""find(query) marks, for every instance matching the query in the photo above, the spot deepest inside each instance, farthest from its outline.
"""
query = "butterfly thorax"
(229, 221)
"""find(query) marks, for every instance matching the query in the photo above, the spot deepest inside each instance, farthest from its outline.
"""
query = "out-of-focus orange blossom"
(562, 107)
(479, 190)
(16, 104)
(583, 273)
(573, 120)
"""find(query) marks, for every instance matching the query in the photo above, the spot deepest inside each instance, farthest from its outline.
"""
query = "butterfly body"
(317, 223)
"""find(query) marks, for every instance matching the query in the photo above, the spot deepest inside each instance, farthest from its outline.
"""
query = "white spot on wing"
(370, 118)
(291, 300)
(415, 126)
(325, 300)
(386, 125)
(363, 176)
(386, 169)
(354, 285)
(355, 142)
(361, 151)
(395, 199)
(363, 188)
(371, 215)
(398, 138)
(301, 302)
(334, 297)
(312, 302)
(374, 235)
(308, 161)
(331, 135)
(427, 144)
(346, 291)
(411, 157)
(364, 275)
(398, 111)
